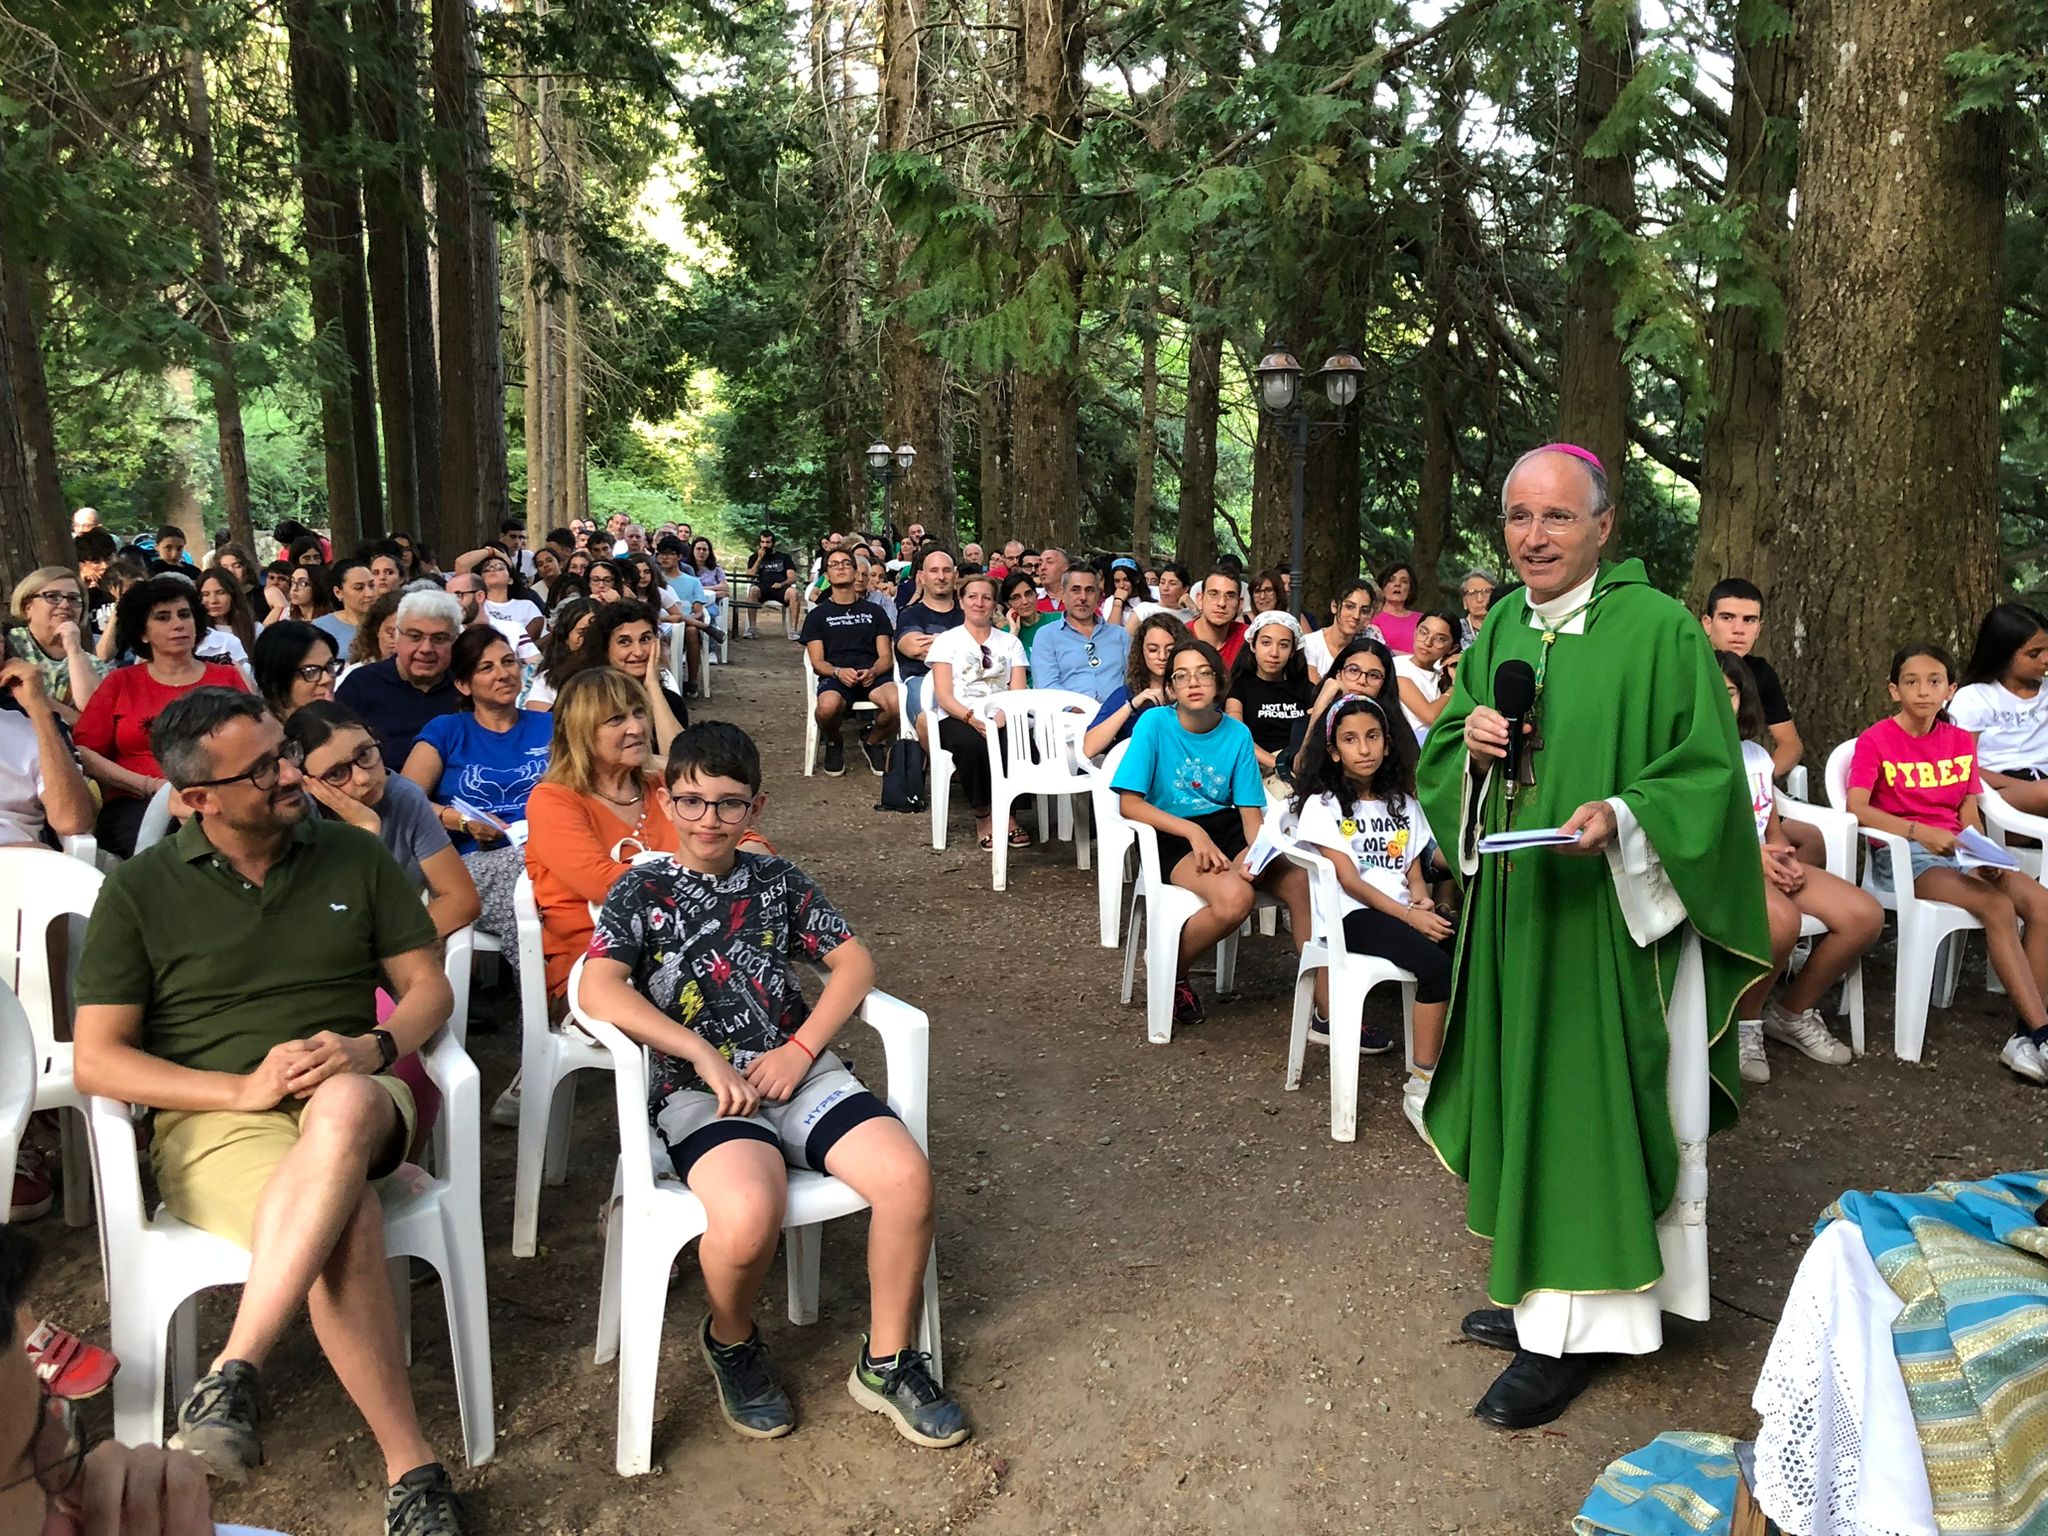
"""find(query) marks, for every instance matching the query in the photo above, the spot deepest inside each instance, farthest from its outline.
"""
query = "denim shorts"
(1923, 861)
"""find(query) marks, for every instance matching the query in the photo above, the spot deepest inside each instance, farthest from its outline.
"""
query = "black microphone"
(1514, 695)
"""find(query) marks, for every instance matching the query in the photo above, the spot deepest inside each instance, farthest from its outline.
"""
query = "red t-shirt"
(115, 721)
(1920, 778)
(1233, 642)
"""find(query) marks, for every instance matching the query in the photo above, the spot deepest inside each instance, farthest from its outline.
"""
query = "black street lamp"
(889, 465)
(1279, 375)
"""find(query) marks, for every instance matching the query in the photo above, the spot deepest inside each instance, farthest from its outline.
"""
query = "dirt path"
(1172, 1304)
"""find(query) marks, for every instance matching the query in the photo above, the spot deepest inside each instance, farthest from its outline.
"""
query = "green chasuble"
(1550, 1099)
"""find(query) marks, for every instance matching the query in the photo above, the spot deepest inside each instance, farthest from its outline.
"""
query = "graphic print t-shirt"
(1190, 774)
(714, 954)
(486, 770)
(1381, 842)
(1763, 792)
(1922, 778)
(847, 630)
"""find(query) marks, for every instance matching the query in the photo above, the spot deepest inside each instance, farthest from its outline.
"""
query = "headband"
(1268, 619)
(1584, 454)
(1124, 562)
(1348, 702)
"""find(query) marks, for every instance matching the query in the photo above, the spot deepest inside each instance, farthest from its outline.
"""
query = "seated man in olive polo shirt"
(228, 982)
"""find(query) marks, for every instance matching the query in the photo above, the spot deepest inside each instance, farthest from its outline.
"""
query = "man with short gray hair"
(1077, 651)
(397, 696)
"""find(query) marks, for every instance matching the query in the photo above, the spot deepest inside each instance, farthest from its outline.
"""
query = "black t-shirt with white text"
(847, 630)
(1272, 710)
(774, 571)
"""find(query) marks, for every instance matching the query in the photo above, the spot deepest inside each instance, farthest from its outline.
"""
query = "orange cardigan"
(569, 859)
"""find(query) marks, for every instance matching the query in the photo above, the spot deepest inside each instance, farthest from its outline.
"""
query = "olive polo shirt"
(223, 969)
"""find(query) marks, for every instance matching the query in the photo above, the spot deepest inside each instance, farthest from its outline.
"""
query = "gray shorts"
(828, 1103)
(1922, 860)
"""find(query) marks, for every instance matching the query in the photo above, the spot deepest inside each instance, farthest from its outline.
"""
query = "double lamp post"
(1280, 399)
(889, 465)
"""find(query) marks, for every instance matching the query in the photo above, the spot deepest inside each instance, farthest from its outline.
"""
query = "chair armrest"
(117, 1175)
(2000, 818)
(906, 1035)
(83, 846)
(449, 1068)
(1837, 831)
(1325, 896)
(1899, 851)
(629, 1086)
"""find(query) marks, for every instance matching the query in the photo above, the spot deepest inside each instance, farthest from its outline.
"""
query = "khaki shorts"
(212, 1164)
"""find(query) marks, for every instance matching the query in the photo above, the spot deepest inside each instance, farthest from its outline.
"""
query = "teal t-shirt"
(1189, 775)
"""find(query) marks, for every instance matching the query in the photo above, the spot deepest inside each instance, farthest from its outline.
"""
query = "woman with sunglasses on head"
(345, 773)
(507, 605)
(295, 665)
(51, 602)
(968, 664)
(1123, 591)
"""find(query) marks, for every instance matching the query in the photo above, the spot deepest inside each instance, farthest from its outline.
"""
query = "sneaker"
(34, 1191)
(217, 1423)
(422, 1503)
(1755, 1067)
(835, 759)
(1414, 1094)
(2021, 1055)
(1187, 1008)
(505, 1109)
(67, 1366)
(747, 1395)
(923, 1412)
(1372, 1039)
(877, 755)
(1808, 1032)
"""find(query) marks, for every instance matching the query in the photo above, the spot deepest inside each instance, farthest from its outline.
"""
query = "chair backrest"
(1326, 898)
(20, 1066)
(1042, 740)
(40, 887)
(532, 955)
(1838, 775)
(156, 820)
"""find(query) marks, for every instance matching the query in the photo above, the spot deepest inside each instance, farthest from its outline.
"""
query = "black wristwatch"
(387, 1048)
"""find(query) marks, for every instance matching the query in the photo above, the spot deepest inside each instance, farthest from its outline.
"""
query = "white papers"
(1976, 851)
(513, 832)
(1265, 848)
(1534, 837)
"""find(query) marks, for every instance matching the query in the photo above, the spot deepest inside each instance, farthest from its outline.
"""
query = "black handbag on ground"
(903, 781)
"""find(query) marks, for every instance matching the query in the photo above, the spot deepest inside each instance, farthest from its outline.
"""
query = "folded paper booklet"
(1265, 848)
(1534, 837)
(1976, 851)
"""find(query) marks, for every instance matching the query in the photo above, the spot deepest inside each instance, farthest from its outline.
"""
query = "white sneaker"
(2021, 1055)
(505, 1111)
(1808, 1032)
(1755, 1068)
(1414, 1094)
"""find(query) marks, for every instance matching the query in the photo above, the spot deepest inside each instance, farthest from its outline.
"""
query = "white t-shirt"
(2011, 732)
(21, 781)
(1317, 651)
(962, 652)
(1763, 790)
(1382, 844)
(1144, 611)
(1426, 683)
(222, 645)
(510, 619)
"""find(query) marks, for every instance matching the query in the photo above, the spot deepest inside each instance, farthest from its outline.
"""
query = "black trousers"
(1381, 933)
(970, 759)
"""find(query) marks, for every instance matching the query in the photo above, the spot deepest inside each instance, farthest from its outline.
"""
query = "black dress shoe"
(1534, 1389)
(1492, 1326)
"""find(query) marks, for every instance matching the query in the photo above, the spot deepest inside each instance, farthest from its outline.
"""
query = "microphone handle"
(1510, 763)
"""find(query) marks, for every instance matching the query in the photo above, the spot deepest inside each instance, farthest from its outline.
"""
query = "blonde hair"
(586, 701)
(35, 581)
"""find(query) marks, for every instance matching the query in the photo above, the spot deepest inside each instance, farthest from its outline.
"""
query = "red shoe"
(33, 1191)
(68, 1366)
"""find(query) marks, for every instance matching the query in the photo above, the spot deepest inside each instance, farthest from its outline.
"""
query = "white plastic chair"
(651, 1216)
(1838, 837)
(41, 889)
(1159, 910)
(938, 768)
(1037, 753)
(549, 1058)
(18, 1070)
(1924, 926)
(1352, 979)
(811, 732)
(1113, 845)
(156, 820)
(157, 1265)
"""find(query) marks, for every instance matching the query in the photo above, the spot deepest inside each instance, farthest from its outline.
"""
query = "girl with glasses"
(969, 663)
(1269, 592)
(1351, 612)
(307, 594)
(51, 601)
(1424, 686)
(295, 666)
(1364, 667)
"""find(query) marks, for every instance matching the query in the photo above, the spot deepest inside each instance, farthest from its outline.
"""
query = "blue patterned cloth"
(1680, 1484)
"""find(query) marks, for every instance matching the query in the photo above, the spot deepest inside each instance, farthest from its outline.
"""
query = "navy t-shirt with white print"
(848, 631)
(714, 953)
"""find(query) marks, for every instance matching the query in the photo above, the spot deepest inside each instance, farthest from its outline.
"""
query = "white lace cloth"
(1838, 1454)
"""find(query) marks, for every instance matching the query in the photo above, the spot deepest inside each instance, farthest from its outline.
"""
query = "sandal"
(988, 843)
(1019, 838)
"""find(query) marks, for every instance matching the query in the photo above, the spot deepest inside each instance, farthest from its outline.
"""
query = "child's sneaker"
(1187, 1008)
(1372, 1039)
(1415, 1094)
(422, 1503)
(67, 1366)
(1808, 1032)
(2021, 1055)
(217, 1423)
(34, 1190)
(923, 1412)
(1750, 1042)
(747, 1394)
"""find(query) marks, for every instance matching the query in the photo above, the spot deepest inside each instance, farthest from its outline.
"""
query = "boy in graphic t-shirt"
(692, 956)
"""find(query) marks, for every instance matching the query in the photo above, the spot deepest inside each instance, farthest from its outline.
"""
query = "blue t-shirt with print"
(489, 770)
(1187, 774)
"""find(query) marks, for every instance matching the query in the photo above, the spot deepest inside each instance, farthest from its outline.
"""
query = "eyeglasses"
(732, 810)
(365, 757)
(437, 638)
(313, 671)
(1359, 674)
(58, 599)
(1521, 520)
(1199, 675)
(57, 1475)
(262, 774)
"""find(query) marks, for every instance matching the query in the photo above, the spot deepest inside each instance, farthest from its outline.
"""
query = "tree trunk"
(842, 371)
(996, 517)
(541, 511)
(575, 454)
(34, 529)
(1148, 431)
(1739, 502)
(1195, 542)
(1330, 547)
(1890, 447)
(1592, 378)
(386, 83)
(214, 302)
(1273, 496)
(25, 539)
(1437, 479)
(473, 489)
